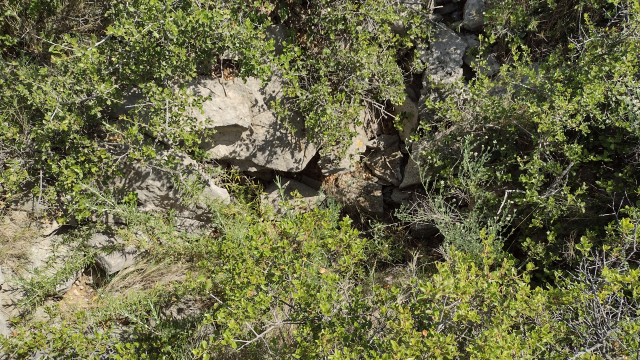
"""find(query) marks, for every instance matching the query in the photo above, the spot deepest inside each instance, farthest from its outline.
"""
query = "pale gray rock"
(413, 173)
(114, 255)
(473, 15)
(156, 189)
(386, 164)
(44, 255)
(230, 109)
(248, 134)
(4, 325)
(443, 58)
(2, 279)
(308, 199)
(47, 252)
(24, 216)
(409, 111)
(40, 315)
(66, 286)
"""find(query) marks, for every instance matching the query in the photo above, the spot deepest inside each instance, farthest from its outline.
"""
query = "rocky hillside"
(343, 179)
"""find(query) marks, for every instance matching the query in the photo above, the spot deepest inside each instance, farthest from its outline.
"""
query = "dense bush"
(305, 287)
(61, 81)
(532, 186)
(560, 120)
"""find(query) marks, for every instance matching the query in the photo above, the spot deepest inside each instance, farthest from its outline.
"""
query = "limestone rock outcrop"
(248, 133)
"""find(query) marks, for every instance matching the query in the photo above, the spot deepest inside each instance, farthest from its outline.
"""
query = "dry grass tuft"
(16, 239)
(144, 276)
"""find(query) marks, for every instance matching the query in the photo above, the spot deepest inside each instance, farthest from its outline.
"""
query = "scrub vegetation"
(530, 176)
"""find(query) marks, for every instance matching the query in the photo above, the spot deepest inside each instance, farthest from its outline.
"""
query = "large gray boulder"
(248, 134)
(309, 198)
(113, 255)
(443, 58)
(473, 15)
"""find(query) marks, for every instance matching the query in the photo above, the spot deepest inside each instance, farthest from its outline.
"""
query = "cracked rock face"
(248, 134)
(444, 57)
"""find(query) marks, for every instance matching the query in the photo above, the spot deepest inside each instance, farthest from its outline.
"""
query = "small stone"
(308, 201)
(386, 165)
(473, 15)
(409, 111)
(81, 287)
(113, 260)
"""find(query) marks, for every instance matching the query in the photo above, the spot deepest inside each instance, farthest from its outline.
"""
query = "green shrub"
(561, 124)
